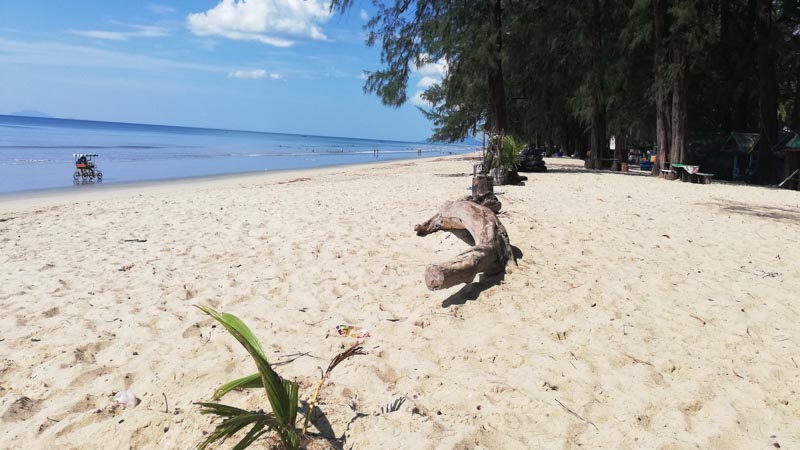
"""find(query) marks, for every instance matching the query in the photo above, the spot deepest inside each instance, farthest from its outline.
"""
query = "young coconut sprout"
(281, 394)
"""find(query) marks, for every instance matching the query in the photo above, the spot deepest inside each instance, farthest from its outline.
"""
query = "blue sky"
(266, 65)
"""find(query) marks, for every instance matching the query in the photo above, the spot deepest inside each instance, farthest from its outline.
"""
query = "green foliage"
(510, 152)
(502, 152)
(282, 395)
(573, 67)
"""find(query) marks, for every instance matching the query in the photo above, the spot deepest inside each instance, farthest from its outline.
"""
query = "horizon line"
(223, 129)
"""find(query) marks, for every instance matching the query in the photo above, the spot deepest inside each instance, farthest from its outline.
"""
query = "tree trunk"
(621, 149)
(743, 61)
(663, 94)
(498, 119)
(725, 38)
(767, 93)
(794, 122)
(489, 255)
(599, 140)
(677, 153)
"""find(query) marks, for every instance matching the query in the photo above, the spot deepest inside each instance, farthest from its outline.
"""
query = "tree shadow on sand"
(471, 291)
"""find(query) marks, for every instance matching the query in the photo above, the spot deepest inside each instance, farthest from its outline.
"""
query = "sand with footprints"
(643, 314)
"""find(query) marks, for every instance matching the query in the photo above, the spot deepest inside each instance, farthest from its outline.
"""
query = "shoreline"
(58, 196)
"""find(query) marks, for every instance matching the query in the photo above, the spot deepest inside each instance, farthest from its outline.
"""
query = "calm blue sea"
(36, 153)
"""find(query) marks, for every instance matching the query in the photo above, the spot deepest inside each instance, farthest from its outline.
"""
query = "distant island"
(31, 113)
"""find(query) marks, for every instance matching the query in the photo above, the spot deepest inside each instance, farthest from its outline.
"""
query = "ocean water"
(36, 153)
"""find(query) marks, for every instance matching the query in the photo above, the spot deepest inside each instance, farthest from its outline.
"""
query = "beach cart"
(86, 168)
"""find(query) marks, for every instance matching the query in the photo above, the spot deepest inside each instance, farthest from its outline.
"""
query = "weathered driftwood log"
(488, 200)
(491, 252)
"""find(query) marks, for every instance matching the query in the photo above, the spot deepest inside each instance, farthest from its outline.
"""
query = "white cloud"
(161, 9)
(426, 82)
(419, 101)
(138, 31)
(363, 76)
(436, 69)
(57, 54)
(431, 72)
(253, 74)
(364, 15)
(273, 22)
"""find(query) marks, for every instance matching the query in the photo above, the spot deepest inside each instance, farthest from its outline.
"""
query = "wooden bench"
(691, 174)
(702, 178)
(669, 174)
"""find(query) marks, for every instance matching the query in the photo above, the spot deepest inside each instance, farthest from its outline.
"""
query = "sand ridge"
(643, 314)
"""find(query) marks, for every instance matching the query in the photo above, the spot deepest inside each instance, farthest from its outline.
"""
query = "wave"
(95, 147)
(31, 161)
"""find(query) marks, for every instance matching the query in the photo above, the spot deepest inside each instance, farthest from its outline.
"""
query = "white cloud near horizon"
(431, 73)
(253, 74)
(273, 22)
(363, 14)
(138, 31)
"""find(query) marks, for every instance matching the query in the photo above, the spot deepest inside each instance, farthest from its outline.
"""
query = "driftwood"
(788, 178)
(488, 200)
(491, 252)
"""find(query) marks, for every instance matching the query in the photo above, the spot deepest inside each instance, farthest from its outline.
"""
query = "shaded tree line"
(574, 73)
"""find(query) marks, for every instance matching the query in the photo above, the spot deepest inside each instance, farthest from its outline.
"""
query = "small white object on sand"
(126, 398)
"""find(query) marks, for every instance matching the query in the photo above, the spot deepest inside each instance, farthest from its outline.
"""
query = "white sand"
(662, 314)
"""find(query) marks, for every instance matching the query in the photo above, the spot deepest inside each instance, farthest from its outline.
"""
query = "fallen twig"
(445, 314)
(317, 323)
(637, 360)
(134, 240)
(294, 180)
(355, 349)
(292, 357)
(577, 415)
(695, 317)
(166, 404)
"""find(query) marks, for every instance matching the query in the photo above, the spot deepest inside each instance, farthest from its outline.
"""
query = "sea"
(37, 153)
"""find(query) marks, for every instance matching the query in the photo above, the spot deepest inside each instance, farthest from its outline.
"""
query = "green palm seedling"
(510, 157)
(282, 394)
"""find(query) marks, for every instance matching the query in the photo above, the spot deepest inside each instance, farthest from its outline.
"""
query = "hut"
(788, 149)
(741, 149)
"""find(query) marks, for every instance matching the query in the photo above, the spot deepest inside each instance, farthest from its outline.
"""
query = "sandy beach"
(643, 313)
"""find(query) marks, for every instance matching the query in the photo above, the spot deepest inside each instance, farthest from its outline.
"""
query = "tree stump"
(500, 175)
(491, 252)
(482, 185)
